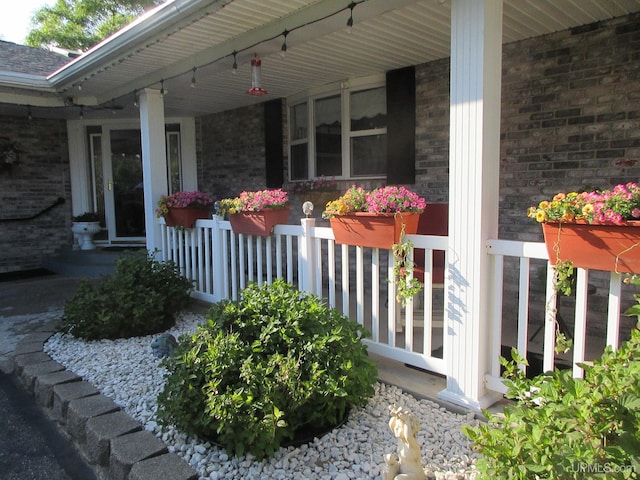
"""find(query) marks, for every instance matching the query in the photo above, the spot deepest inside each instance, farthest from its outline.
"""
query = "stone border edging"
(113, 444)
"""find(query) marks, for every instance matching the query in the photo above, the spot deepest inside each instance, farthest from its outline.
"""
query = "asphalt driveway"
(32, 447)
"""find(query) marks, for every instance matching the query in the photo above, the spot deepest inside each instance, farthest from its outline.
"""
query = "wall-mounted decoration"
(9, 156)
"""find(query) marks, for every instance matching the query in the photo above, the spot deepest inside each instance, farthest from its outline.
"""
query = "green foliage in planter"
(140, 299)
(565, 427)
(274, 363)
(87, 217)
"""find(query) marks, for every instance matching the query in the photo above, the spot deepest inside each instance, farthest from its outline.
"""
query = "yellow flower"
(541, 216)
(587, 209)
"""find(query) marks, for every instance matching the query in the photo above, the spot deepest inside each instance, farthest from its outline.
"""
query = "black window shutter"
(273, 152)
(401, 126)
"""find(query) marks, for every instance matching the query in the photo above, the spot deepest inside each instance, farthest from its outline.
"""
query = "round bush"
(265, 369)
(140, 299)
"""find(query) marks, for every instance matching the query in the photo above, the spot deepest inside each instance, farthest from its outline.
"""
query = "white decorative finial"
(307, 208)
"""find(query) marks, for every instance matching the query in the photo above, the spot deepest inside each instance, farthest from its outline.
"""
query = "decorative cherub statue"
(406, 466)
(163, 345)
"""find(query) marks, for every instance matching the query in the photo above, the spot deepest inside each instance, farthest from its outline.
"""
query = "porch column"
(476, 50)
(81, 198)
(154, 161)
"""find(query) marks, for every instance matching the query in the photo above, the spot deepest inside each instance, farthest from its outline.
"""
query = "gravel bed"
(126, 371)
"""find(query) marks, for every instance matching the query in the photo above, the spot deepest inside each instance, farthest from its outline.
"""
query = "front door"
(116, 178)
(124, 189)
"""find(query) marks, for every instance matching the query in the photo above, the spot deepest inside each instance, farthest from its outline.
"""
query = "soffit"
(386, 35)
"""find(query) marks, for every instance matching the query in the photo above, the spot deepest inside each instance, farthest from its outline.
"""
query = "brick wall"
(432, 130)
(41, 177)
(231, 151)
(570, 117)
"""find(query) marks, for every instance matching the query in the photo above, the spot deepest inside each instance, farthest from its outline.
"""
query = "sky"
(15, 20)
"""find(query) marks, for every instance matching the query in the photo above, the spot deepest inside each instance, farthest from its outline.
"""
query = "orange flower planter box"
(614, 248)
(185, 216)
(259, 223)
(373, 230)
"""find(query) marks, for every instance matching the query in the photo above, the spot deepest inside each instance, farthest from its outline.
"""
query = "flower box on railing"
(375, 219)
(259, 223)
(597, 230)
(256, 212)
(185, 216)
(182, 209)
(595, 246)
(373, 230)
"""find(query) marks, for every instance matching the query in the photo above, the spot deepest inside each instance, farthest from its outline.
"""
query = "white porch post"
(476, 50)
(154, 161)
(307, 256)
(220, 290)
(80, 188)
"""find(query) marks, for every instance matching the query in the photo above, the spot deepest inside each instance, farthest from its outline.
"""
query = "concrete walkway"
(56, 426)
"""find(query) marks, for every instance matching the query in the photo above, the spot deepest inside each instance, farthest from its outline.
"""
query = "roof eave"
(25, 81)
(137, 34)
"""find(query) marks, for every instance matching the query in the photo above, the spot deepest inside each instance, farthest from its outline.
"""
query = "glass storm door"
(116, 178)
(124, 188)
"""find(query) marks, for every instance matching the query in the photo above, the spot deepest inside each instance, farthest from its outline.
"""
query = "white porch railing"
(354, 280)
(524, 253)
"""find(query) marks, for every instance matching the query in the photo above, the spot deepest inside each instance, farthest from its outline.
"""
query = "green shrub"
(275, 363)
(564, 427)
(140, 299)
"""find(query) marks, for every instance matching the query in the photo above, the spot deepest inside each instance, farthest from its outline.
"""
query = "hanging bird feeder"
(256, 89)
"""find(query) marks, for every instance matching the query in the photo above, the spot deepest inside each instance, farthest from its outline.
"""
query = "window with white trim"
(341, 133)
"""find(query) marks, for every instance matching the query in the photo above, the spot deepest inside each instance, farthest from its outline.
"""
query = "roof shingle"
(30, 60)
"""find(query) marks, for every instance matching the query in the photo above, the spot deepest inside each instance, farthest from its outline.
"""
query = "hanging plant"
(403, 266)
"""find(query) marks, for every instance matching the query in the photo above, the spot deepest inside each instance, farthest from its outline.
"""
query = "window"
(328, 129)
(174, 158)
(298, 144)
(348, 134)
(368, 136)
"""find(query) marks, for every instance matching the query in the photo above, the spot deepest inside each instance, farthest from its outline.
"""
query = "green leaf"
(629, 401)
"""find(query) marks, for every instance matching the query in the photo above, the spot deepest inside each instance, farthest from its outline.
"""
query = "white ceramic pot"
(84, 232)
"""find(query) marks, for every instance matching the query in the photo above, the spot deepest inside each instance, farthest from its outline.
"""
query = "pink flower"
(392, 199)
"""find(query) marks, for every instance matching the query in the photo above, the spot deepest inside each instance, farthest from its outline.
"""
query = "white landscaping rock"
(126, 371)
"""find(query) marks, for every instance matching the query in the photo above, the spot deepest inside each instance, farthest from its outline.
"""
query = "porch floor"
(418, 383)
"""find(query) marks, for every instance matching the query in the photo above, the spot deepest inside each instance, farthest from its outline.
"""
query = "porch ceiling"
(203, 34)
